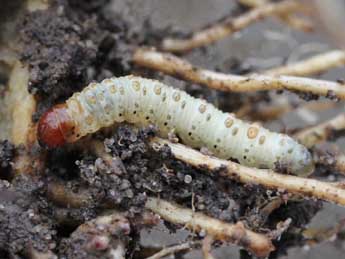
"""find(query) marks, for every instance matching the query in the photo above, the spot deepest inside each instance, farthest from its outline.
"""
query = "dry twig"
(267, 178)
(224, 29)
(181, 68)
(258, 244)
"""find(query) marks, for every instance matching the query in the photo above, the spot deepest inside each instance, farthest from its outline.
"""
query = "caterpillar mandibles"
(197, 123)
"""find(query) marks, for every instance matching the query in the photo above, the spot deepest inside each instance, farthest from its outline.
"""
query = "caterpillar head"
(300, 162)
(55, 127)
(305, 165)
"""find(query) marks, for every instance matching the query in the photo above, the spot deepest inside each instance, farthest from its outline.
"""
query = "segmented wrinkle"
(197, 123)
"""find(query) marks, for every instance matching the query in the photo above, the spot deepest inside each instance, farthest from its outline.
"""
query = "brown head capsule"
(55, 127)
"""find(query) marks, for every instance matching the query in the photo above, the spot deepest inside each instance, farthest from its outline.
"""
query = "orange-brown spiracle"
(55, 127)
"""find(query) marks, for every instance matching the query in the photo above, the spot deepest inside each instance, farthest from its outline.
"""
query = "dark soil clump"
(6, 155)
(24, 221)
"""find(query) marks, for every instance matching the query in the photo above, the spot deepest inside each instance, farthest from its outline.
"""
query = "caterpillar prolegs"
(197, 123)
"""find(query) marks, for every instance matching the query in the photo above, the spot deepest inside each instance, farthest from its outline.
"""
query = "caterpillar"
(197, 123)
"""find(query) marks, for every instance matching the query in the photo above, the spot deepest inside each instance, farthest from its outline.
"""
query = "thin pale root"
(267, 178)
(290, 19)
(222, 30)
(314, 65)
(321, 132)
(256, 243)
(181, 68)
(172, 250)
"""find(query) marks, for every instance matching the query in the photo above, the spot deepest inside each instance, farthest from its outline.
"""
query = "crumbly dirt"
(24, 219)
(67, 46)
(9, 10)
(72, 49)
(6, 157)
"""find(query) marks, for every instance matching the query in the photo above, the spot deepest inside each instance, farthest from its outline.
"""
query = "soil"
(66, 47)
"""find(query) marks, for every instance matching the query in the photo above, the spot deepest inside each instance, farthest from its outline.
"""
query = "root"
(181, 68)
(34, 254)
(276, 111)
(224, 29)
(280, 229)
(298, 23)
(258, 244)
(253, 3)
(206, 248)
(23, 105)
(173, 249)
(290, 19)
(321, 132)
(314, 65)
(61, 195)
(318, 235)
(34, 5)
(330, 156)
(267, 178)
(340, 163)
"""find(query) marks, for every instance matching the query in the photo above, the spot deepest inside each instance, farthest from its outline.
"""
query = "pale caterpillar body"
(197, 123)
